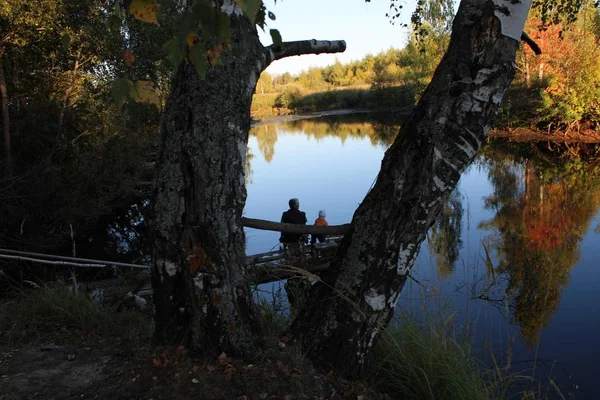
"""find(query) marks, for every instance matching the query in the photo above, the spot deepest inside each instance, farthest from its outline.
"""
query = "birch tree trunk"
(201, 285)
(419, 171)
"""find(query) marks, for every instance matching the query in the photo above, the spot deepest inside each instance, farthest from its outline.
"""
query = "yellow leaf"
(214, 54)
(145, 93)
(129, 58)
(144, 10)
(191, 39)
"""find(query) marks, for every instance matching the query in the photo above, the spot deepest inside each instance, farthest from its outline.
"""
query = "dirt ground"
(92, 368)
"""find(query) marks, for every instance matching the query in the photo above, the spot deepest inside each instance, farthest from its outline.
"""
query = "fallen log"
(294, 228)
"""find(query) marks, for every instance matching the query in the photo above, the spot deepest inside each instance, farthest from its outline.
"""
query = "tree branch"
(531, 43)
(301, 47)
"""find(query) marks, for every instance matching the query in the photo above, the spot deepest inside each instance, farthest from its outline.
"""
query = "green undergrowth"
(421, 358)
(420, 361)
(40, 312)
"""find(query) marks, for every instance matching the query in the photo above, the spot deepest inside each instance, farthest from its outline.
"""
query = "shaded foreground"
(57, 345)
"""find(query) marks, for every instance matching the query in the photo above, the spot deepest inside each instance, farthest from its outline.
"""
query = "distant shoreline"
(401, 112)
(587, 136)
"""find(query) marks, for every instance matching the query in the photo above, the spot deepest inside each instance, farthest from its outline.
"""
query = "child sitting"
(321, 221)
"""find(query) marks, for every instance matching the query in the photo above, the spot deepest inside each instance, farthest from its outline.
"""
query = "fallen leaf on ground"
(229, 372)
(195, 380)
(222, 359)
(282, 367)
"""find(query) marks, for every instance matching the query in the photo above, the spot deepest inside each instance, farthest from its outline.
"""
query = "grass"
(34, 314)
(417, 358)
(341, 98)
(420, 361)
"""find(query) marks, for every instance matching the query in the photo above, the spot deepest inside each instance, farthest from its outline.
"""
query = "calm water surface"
(515, 253)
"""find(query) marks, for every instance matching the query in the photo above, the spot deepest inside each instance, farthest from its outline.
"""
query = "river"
(512, 257)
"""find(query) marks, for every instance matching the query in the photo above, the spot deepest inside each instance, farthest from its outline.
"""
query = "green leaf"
(174, 51)
(65, 40)
(276, 36)
(122, 90)
(207, 17)
(166, 4)
(250, 8)
(198, 57)
(223, 31)
(113, 22)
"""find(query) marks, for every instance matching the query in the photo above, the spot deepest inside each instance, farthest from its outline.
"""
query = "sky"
(363, 26)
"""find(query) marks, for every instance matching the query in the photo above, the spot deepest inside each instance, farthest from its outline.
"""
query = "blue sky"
(363, 26)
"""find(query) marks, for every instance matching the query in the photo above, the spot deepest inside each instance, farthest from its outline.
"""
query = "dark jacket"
(292, 216)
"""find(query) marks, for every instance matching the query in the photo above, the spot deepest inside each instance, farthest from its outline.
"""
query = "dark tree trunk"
(201, 292)
(201, 285)
(5, 118)
(338, 327)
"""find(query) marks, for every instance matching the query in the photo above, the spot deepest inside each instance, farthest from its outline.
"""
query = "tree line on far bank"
(559, 89)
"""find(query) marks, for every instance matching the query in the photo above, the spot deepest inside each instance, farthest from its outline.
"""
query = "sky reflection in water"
(537, 224)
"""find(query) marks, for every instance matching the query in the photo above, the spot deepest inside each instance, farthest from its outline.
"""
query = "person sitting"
(292, 241)
(321, 221)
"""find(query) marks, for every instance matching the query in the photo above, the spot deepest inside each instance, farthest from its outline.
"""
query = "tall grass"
(419, 360)
(34, 314)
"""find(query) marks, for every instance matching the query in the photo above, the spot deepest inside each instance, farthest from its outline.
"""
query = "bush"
(36, 313)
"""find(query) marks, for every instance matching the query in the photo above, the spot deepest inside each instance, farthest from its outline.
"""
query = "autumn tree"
(542, 210)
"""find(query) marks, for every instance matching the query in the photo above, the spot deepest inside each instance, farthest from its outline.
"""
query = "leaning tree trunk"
(201, 286)
(418, 173)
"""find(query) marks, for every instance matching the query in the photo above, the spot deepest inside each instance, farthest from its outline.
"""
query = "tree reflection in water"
(445, 236)
(381, 129)
(543, 208)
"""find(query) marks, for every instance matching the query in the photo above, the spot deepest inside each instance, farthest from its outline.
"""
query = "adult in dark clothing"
(297, 288)
(292, 216)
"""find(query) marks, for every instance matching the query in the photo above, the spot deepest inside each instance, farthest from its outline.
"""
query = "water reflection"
(445, 237)
(380, 129)
(542, 209)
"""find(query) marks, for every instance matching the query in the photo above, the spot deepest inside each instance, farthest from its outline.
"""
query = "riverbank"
(519, 134)
(400, 113)
(532, 135)
(58, 345)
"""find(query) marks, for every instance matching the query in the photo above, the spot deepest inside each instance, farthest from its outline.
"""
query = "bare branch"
(531, 43)
(36, 257)
(302, 47)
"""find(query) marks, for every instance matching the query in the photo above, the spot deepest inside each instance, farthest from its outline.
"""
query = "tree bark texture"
(200, 278)
(419, 171)
(5, 119)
